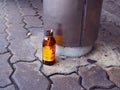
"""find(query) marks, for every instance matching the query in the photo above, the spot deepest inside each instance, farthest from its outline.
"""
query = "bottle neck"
(49, 33)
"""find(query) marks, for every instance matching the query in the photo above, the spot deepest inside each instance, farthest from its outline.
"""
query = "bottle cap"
(49, 32)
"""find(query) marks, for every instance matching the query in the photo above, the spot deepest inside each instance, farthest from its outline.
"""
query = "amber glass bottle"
(48, 49)
(59, 32)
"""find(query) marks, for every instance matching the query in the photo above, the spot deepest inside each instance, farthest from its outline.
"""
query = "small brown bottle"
(59, 36)
(48, 49)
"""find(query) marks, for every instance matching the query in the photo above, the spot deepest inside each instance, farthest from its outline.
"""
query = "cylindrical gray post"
(78, 21)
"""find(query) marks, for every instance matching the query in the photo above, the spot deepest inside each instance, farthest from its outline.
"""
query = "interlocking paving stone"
(22, 50)
(5, 70)
(32, 21)
(114, 75)
(28, 77)
(12, 13)
(2, 25)
(36, 40)
(16, 32)
(36, 31)
(94, 76)
(11, 87)
(2, 5)
(27, 11)
(61, 66)
(68, 82)
(23, 3)
(3, 43)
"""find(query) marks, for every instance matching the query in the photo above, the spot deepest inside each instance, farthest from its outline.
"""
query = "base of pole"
(72, 51)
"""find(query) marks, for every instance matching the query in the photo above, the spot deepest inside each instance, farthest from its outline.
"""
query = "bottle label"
(49, 53)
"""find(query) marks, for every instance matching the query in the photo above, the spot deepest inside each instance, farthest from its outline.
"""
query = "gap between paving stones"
(10, 77)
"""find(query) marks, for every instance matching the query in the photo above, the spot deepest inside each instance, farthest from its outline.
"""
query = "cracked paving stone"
(114, 75)
(68, 82)
(5, 70)
(28, 77)
(109, 89)
(94, 76)
(32, 21)
(22, 50)
(11, 87)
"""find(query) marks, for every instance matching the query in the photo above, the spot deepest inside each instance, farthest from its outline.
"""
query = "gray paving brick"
(16, 32)
(64, 66)
(27, 11)
(36, 31)
(114, 75)
(94, 76)
(69, 82)
(22, 50)
(23, 3)
(2, 20)
(5, 70)
(2, 4)
(36, 40)
(2, 28)
(13, 15)
(32, 21)
(28, 77)
(11, 87)
(3, 43)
